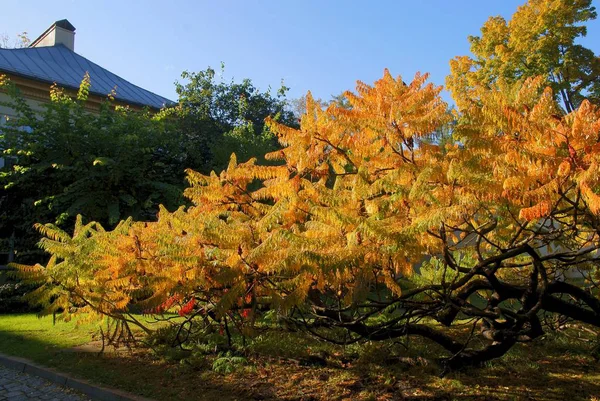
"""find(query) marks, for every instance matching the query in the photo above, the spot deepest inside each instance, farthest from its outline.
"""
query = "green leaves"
(228, 363)
(215, 118)
(106, 165)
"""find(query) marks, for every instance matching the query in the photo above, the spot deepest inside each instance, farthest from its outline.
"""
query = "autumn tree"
(21, 40)
(114, 164)
(368, 232)
(541, 39)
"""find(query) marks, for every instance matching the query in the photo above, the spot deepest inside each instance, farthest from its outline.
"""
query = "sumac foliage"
(368, 230)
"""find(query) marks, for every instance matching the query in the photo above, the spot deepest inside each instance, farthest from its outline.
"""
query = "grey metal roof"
(67, 68)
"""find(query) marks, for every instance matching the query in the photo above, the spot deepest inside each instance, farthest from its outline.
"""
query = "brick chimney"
(59, 33)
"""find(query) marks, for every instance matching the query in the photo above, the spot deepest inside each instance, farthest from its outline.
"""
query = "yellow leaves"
(120, 304)
(409, 110)
(584, 124)
(52, 232)
(233, 259)
(523, 188)
(513, 184)
(544, 105)
(84, 88)
(119, 282)
(194, 178)
(229, 298)
(529, 93)
(232, 163)
(517, 134)
(27, 268)
(379, 131)
(356, 201)
(392, 285)
(564, 169)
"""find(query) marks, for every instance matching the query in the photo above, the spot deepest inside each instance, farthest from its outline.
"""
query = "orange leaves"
(391, 283)
(542, 209)
(517, 135)
(585, 125)
(163, 307)
(381, 129)
(411, 110)
(564, 169)
(515, 188)
(356, 201)
(184, 310)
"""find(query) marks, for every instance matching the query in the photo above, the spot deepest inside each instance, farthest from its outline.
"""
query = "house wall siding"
(7, 113)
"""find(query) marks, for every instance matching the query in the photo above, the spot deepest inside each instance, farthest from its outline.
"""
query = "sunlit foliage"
(365, 229)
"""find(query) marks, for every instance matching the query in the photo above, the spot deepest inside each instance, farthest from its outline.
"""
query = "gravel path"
(17, 386)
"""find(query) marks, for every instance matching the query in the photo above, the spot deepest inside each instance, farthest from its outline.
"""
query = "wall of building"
(36, 105)
(7, 113)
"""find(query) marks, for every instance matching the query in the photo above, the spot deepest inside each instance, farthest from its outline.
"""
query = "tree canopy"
(68, 160)
(115, 162)
(368, 232)
(214, 118)
(21, 40)
(364, 229)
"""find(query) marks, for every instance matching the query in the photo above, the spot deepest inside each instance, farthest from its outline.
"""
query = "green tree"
(539, 40)
(215, 118)
(67, 160)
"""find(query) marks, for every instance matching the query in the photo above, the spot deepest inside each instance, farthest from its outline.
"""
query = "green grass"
(555, 368)
(37, 338)
(48, 343)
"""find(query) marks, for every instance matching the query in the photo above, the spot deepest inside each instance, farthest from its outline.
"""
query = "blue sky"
(322, 46)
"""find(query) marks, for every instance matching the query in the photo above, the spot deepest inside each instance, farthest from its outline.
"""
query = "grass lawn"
(37, 338)
(554, 368)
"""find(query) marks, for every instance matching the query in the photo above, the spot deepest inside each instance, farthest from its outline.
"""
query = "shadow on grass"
(134, 372)
(536, 372)
(277, 369)
(553, 384)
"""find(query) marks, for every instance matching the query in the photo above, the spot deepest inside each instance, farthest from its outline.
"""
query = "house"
(51, 58)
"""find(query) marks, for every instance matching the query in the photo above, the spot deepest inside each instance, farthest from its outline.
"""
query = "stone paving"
(17, 386)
